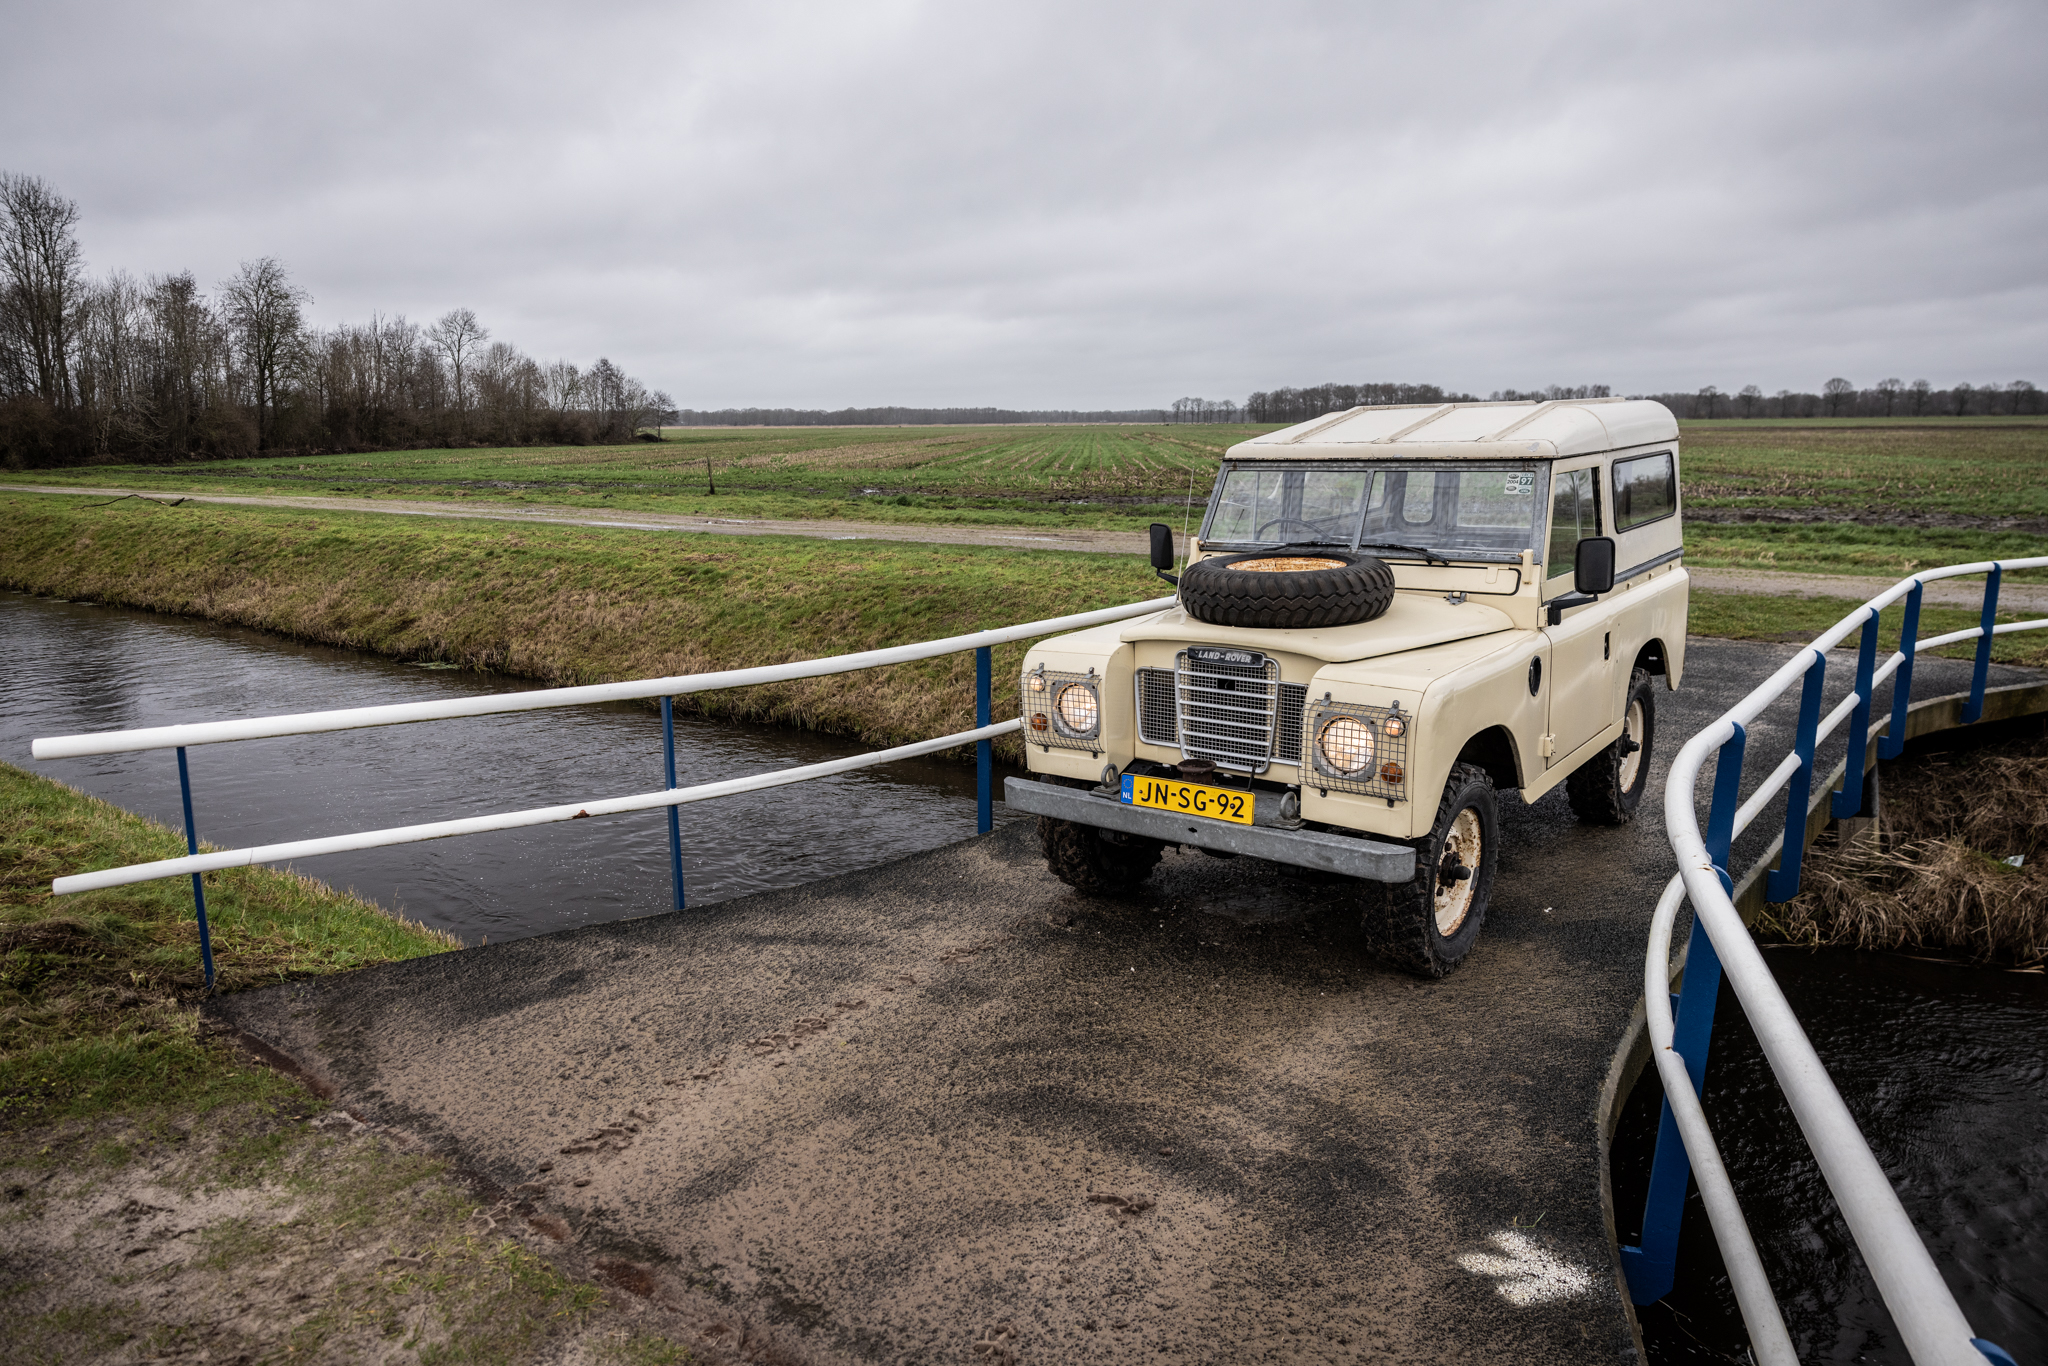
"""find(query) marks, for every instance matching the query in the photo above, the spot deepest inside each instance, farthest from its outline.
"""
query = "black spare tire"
(1292, 588)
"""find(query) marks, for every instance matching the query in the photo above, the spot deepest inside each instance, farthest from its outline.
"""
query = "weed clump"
(1939, 873)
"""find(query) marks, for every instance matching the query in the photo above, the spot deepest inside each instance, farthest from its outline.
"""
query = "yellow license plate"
(1188, 799)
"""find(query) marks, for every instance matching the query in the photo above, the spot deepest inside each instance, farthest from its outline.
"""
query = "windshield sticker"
(1521, 483)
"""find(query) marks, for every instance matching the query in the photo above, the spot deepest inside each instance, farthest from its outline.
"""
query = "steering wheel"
(1260, 534)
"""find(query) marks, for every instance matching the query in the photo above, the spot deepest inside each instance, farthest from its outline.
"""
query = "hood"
(1415, 622)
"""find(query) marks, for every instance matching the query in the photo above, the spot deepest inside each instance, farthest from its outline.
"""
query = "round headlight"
(1346, 745)
(1079, 711)
(1394, 726)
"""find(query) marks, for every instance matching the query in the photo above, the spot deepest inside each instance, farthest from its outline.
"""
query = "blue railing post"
(675, 826)
(1849, 801)
(1894, 742)
(1652, 1267)
(1990, 619)
(984, 750)
(1783, 883)
(198, 888)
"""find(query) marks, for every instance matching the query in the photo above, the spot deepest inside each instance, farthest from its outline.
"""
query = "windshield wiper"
(1428, 556)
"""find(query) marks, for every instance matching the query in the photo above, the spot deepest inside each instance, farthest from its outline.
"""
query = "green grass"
(1983, 468)
(1752, 616)
(1069, 476)
(108, 1085)
(1852, 548)
(98, 990)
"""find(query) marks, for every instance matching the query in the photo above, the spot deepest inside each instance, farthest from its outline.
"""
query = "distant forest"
(904, 417)
(154, 369)
(1837, 398)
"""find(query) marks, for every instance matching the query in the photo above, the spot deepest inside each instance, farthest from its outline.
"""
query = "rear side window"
(1574, 515)
(1645, 489)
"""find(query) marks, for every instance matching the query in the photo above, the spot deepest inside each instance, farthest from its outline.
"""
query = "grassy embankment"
(167, 1196)
(572, 605)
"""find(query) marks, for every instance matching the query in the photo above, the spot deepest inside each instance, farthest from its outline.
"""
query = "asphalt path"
(1962, 593)
(947, 1109)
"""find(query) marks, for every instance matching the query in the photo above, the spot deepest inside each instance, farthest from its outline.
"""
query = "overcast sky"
(1088, 205)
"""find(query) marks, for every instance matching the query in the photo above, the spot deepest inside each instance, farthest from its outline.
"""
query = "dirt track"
(948, 1110)
(1964, 593)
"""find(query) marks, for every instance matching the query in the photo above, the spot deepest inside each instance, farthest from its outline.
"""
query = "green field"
(1931, 468)
(1941, 472)
(1069, 476)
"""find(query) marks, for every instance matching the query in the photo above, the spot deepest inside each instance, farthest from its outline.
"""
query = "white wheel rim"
(1454, 898)
(1633, 760)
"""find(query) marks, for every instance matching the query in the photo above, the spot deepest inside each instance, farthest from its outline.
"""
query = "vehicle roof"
(1520, 430)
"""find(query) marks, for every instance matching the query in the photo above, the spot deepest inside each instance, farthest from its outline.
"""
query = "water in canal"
(67, 668)
(1945, 1067)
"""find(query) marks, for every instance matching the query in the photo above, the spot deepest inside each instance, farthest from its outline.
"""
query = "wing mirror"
(1162, 551)
(1592, 566)
(1592, 575)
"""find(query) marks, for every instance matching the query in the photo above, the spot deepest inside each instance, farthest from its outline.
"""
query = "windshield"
(1466, 508)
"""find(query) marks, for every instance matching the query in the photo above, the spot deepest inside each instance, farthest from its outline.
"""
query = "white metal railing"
(180, 737)
(1930, 1322)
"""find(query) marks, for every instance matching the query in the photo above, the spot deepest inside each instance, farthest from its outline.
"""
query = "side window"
(1645, 489)
(1574, 515)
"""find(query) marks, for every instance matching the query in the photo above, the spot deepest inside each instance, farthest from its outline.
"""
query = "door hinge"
(1548, 747)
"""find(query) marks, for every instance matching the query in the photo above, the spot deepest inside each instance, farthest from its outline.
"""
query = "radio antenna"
(1187, 514)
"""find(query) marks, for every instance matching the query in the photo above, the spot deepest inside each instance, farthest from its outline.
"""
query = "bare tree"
(1707, 397)
(2023, 392)
(458, 336)
(265, 311)
(1749, 398)
(1960, 396)
(1890, 389)
(1837, 391)
(1920, 392)
(43, 290)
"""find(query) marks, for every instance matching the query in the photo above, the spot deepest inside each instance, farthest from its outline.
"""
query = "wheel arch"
(1493, 749)
(1655, 660)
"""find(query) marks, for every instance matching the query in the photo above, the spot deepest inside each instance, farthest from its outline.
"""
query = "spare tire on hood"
(1291, 588)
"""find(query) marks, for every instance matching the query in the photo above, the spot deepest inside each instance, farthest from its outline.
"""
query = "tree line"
(1837, 398)
(155, 369)
(903, 417)
(1842, 398)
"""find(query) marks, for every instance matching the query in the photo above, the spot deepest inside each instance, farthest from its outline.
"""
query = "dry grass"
(1936, 877)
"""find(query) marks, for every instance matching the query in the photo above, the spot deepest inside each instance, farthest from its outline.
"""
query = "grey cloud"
(1089, 205)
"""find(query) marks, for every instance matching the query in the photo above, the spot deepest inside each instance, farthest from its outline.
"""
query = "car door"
(1581, 685)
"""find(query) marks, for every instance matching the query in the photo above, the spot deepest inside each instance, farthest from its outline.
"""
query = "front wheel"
(1430, 922)
(1607, 788)
(1096, 861)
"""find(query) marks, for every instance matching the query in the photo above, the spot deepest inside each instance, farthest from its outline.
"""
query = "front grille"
(1158, 720)
(1287, 736)
(1227, 711)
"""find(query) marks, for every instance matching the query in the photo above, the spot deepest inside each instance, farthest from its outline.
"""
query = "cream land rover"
(1390, 614)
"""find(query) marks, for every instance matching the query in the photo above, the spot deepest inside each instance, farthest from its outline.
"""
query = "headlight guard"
(1062, 710)
(1355, 748)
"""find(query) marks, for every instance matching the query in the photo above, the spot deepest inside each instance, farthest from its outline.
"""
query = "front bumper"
(1361, 858)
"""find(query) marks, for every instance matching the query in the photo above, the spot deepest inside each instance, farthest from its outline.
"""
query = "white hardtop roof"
(1520, 430)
